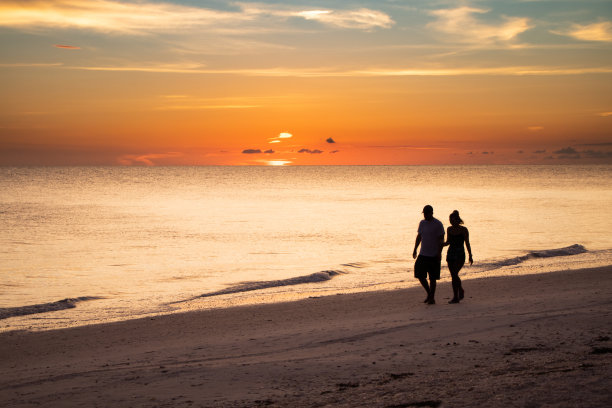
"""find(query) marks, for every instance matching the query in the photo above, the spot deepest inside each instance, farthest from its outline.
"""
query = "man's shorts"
(427, 265)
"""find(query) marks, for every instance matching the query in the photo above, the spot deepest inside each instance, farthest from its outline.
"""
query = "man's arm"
(417, 242)
(441, 245)
(440, 241)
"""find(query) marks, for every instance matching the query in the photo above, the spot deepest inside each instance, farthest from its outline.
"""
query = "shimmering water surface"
(129, 242)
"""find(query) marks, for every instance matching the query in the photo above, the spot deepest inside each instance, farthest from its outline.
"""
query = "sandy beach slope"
(527, 341)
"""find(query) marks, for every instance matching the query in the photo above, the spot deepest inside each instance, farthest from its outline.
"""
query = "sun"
(278, 162)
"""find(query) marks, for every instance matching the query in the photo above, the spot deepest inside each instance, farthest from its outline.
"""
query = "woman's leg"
(454, 267)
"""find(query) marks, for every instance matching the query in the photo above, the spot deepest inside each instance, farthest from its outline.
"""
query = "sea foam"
(575, 249)
(63, 304)
(316, 277)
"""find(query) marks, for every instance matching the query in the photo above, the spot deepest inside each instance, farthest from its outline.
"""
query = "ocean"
(83, 245)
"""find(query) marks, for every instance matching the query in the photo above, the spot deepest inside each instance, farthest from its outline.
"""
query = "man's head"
(428, 212)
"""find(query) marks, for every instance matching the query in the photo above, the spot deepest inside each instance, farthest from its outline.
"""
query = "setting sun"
(278, 162)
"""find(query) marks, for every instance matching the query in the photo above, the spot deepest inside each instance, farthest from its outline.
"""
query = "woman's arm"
(466, 235)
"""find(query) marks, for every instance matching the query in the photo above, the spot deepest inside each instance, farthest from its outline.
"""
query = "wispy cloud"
(112, 16)
(199, 107)
(362, 18)
(180, 68)
(146, 159)
(145, 17)
(462, 25)
(280, 137)
(336, 72)
(66, 47)
(601, 31)
(32, 65)
(605, 114)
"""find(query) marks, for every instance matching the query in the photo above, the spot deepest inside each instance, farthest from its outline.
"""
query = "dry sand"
(527, 341)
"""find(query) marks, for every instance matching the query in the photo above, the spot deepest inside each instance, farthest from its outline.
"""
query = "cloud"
(597, 154)
(251, 151)
(334, 151)
(282, 135)
(330, 140)
(145, 159)
(462, 25)
(32, 65)
(566, 150)
(363, 18)
(316, 151)
(112, 16)
(146, 17)
(540, 151)
(269, 151)
(590, 32)
(336, 72)
(605, 114)
(359, 19)
(596, 144)
(199, 107)
(66, 47)
(567, 153)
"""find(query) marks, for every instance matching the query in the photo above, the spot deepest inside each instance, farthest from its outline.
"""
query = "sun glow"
(278, 162)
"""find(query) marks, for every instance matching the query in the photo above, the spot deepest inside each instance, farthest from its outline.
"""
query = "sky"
(388, 82)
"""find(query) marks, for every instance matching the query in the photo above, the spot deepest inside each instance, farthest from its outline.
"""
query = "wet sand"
(527, 341)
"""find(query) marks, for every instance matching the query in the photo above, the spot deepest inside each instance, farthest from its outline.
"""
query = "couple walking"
(431, 238)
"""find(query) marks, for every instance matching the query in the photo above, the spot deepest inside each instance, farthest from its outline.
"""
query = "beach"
(529, 341)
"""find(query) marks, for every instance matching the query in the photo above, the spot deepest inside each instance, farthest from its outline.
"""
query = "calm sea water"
(92, 244)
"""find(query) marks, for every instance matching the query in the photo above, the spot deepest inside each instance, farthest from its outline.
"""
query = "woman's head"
(455, 219)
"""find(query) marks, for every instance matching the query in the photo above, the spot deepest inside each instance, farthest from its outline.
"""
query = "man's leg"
(432, 291)
(426, 286)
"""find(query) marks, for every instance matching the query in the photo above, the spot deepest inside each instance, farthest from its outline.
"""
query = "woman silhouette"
(456, 236)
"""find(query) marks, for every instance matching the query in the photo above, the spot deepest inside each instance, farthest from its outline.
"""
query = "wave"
(63, 304)
(575, 249)
(258, 285)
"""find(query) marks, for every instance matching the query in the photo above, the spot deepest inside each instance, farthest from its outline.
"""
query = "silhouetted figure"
(457, 235)
(431, 238)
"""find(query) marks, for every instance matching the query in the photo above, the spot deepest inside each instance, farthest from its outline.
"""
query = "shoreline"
(514, 341)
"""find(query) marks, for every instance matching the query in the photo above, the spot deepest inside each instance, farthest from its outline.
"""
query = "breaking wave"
(546, 253)
(63, 304)
(258, 285)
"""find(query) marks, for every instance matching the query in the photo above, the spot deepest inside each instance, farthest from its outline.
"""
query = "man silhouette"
(431, 238)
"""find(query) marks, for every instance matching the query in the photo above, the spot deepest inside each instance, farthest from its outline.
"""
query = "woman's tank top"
(455, 250)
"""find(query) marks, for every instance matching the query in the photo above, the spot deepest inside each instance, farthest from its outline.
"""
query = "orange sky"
(183, 82)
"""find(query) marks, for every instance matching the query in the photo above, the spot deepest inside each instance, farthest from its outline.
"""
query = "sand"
(527, 341)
